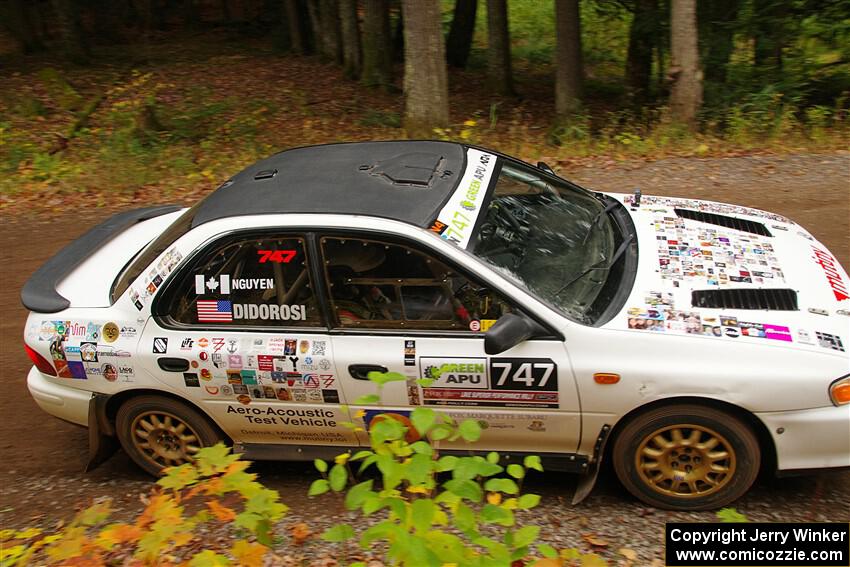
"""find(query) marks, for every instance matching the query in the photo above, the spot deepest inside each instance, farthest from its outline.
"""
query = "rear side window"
(136, 266)
(245, 281)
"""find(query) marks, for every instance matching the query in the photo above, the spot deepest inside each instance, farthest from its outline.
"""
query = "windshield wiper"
(617, 253)
(608, 208)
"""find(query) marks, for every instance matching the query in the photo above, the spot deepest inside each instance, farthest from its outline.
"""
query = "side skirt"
(562, 462)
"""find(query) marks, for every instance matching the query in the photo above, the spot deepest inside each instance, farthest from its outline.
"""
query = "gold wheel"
(164, 439)
(685, 461)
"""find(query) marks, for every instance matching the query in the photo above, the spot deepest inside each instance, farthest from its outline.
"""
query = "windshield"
(554, 240)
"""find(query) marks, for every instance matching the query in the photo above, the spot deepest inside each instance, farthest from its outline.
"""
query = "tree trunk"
(686, 92)
(350, 38)
(68, 25)
(717, 34)
(499, 48)
(568, 59)
(107, 21)
(377, 45)
(329, 17)
(294, 22)
(16, 20)
(426, 85)
(460, 35)
(642, 34)
(398, 38)
(191, 14)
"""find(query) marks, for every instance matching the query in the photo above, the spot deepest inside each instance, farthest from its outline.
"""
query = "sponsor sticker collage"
(693, 255)
(259, 368)
(83, 350)
(703, 255)
(153, 280)
(706, 206)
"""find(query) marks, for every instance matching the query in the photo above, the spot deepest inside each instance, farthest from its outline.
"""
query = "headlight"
(839, 391)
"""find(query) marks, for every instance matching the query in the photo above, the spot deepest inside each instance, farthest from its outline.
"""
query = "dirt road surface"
(41, 478)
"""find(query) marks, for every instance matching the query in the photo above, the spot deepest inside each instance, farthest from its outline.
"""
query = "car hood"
(727, 272)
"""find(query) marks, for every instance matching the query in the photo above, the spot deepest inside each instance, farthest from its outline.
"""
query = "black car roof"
(402, 180)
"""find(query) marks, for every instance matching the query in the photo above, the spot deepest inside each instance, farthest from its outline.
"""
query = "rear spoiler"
(39, 293)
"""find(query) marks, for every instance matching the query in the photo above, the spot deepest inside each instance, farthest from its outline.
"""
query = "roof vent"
(764, 299)
(413, 169)
(722, 220)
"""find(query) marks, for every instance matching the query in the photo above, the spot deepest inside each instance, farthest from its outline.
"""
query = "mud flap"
(588, 480)
(102, 440)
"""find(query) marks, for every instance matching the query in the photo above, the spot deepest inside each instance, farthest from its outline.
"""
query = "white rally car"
(694, 342)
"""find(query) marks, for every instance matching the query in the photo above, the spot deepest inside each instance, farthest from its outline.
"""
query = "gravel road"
(41, 480)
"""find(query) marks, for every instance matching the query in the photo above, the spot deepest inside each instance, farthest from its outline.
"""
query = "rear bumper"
(811, 439)
(58, 400)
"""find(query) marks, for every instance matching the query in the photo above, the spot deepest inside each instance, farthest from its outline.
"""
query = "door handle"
(173, 364)
(361, 371)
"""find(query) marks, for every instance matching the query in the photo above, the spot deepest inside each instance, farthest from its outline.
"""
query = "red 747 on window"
(278, 256)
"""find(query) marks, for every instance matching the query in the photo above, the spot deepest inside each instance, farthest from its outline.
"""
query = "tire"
(686, 457)
(178, 431)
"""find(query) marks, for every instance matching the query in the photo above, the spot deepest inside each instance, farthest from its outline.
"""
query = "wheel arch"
(765, 440)
(117, 400)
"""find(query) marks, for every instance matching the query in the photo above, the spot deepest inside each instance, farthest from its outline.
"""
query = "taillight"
(40, 362)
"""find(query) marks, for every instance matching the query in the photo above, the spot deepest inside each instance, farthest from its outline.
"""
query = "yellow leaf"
(222, 513)
(494, 498)
(470, 123)
(6, 534)
(417, 489)
(182, 538)
(342, 458)
(629, 554)
(27, 533)
(249, 554)
(118, 533)
(547, 562)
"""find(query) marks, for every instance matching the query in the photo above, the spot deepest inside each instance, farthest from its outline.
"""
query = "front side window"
(382, 285)
(247, 282)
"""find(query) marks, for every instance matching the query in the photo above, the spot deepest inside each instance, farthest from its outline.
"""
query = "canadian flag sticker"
(203, 285)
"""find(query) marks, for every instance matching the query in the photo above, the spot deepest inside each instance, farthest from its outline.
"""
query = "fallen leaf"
(629, 554)
(299, 533)
(594, 540)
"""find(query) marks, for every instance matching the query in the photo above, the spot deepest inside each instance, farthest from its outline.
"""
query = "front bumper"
(810, 439)
(61, 401)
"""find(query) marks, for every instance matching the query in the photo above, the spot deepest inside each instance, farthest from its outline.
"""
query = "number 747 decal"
(277, 256)
(523, 374)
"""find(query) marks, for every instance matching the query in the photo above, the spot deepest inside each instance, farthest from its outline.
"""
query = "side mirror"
(509, 331)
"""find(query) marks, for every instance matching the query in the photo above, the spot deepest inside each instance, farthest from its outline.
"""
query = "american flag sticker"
(210, 311)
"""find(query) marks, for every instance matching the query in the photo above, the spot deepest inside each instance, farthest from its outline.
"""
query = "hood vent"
(764, 299)
(721, 220)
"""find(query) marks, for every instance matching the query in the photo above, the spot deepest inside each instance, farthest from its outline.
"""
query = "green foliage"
(215, 488)
(423, 510)
(731, 516)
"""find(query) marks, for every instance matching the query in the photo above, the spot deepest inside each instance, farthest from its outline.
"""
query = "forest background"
(123, 101)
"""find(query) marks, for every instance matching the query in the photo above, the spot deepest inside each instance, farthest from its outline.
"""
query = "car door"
(397, 308)
(239, 331)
